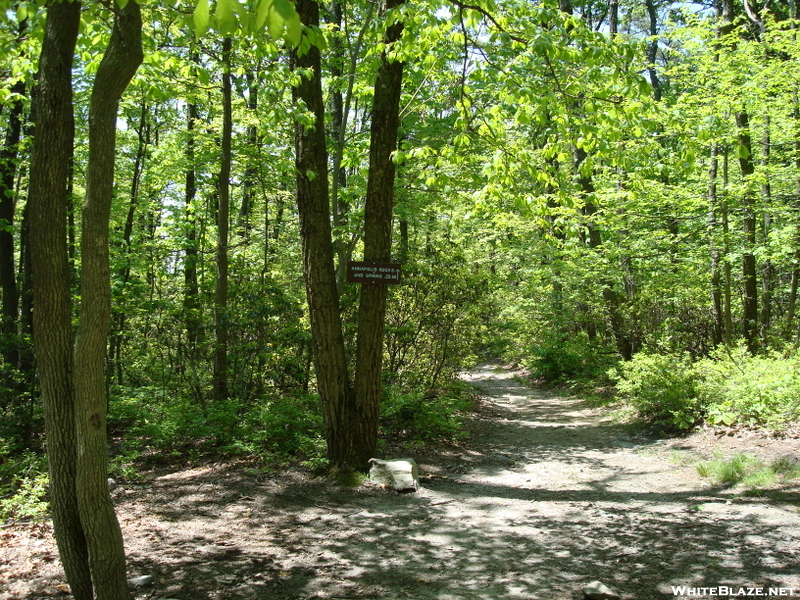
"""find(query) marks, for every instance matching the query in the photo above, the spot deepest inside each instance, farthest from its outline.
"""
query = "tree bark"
(652, 49)
(749, 275)
(313, 205)
(377, 242)
(52, 317)
(767, 269)
(104, 538)
(8, 275)
(223, 217)
(795, 281)
(613, 17)
(191, 290)
(251, 170)
(716, 290)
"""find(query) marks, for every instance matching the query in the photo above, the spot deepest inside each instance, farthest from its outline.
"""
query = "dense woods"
(605, 191)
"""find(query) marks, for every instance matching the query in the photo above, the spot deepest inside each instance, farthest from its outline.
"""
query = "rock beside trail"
(599, 591)
(137, 582)
(401, 475)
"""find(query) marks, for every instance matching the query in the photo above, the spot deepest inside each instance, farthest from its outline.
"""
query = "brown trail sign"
(372, 272)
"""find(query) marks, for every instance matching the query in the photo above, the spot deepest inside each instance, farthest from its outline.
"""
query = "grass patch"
(751, 473)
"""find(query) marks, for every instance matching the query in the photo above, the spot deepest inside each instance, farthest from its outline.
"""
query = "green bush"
(750, 390)
(23, 485)
(424, 417)
(661, 389)
(562, 358)
(287, 425)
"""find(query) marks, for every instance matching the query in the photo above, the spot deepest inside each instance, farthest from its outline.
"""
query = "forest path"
(546, 496)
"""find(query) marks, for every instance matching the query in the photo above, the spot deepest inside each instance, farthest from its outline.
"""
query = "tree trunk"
(377, 243)
(749, 275)
(313, 205)
(795, 281)
(191, 290)
(767, 269)
(250, 172)
(8, 275)
(223, 215)
(104, 538)
(652, 50)
(716, 290)
(52, 319)
(726, 248)
(613, 17)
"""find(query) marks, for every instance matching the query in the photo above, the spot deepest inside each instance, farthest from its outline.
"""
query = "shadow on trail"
(538, 505)
(465, 541)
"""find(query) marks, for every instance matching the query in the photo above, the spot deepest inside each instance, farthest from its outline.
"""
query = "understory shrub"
(282, 425)
(730, 387)
(750, 390)
(420, 416)
(568, 358)
(661, 389)
(23, 485)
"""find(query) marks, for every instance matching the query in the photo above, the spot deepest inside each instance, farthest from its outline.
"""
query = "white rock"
(599, 591)
(142, 581)
(401, 475)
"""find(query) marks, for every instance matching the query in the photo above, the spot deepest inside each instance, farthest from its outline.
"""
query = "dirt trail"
(546, 496)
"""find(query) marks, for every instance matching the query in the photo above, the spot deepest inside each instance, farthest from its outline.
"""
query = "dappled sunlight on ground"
(547, 496)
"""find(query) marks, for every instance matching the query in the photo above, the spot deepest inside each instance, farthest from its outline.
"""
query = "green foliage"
(661, 389)
(23, 485)
(731, 387)
(436, 322)
(562, 358)
(287, 426)
(21, 417)
(752, 473)
(280, 427)
(418, 416)
(750, 390)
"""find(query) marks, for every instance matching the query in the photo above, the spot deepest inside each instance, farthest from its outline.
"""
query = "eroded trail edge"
(547, 495)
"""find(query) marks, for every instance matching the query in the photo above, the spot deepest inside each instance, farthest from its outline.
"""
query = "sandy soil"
(547, 495)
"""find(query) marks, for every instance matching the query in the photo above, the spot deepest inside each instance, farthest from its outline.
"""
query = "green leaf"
(224, 16)
(122, 3)
(275, 25)
(263, 12)
(285, 8)
(742, 151)
(201, 17)
(294, 29)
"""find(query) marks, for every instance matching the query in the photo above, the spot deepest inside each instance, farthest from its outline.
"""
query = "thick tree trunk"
(223, 217)
(313, 205)
(377, 243)
(52, 318)
(106, 553)
(613, 17)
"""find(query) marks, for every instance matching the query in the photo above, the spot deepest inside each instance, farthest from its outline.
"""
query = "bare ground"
(547, 495)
